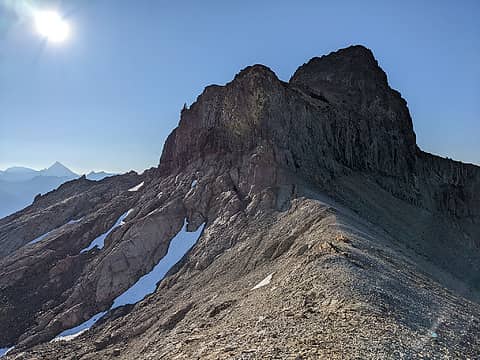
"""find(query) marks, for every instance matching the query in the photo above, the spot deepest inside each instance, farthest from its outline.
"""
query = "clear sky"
(107, 98)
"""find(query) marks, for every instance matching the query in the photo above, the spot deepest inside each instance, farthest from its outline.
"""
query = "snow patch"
(146, 285)
(100, 240)
(5, 351)
(136, 187)
(73, 221)
(72, 333)
(41, 237)
(68, 337)
(194, 183)
(264, 282)
(122, 222)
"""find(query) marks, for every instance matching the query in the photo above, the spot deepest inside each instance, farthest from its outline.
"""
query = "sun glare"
(50, 25)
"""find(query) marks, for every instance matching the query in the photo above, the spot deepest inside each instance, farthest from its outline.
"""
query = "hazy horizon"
(79, 172)
(106, 99)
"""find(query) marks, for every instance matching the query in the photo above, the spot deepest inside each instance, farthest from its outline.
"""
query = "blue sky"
(108, 97)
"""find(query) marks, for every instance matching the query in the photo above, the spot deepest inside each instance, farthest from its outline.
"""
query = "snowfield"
(100, 240)
(136, 187)
(72, 333)
(4, 351)
(264, 282)
(179, 246)
(146, 285)
(69, 337)
(41, 237)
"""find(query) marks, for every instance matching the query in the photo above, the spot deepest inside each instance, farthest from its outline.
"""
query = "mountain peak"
(257, 108)
(59, 170)
(353, 68)
(57, 164)
(355, 50)
(19, 169)
(98, 175)
(258, 70)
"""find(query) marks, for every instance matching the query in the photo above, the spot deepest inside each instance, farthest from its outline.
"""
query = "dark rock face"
(378, 135)
(337, 114)
(454, 187)
(338, 107)
(316, 184)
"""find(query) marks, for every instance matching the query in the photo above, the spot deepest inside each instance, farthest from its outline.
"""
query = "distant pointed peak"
(58, 169)
(57, 164)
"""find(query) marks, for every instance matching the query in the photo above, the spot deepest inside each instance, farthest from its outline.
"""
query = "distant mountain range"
(92, 175)
(19, 185)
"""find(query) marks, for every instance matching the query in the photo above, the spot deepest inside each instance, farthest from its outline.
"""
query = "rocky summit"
(324, 232)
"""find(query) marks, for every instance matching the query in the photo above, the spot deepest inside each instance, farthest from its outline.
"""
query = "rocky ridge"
(372, 245)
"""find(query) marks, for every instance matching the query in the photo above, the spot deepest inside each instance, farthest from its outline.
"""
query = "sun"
(52, 26)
